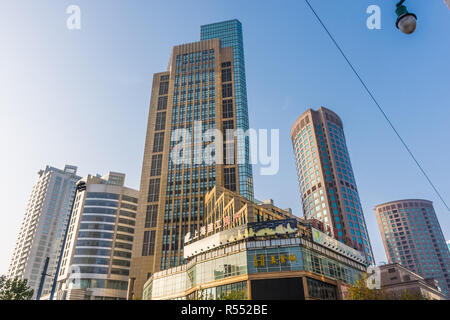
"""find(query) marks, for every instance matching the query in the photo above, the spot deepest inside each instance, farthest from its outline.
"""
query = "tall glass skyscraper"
(413, 238)
(203, 91)
(327, 183)
(230, 35)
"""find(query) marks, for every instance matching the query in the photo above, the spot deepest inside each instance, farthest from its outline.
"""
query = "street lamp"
(406, 21)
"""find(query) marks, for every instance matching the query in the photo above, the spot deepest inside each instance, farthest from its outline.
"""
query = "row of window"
(102, 270)
(194, 57)
(148, 247)
(99, 283)
(180, 115)
(182, 98)
(195, 78)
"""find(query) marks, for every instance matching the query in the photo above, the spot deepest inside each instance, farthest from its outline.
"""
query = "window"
(129, 199)
(122, 263)
(163, 88)
(162, 103)
(127, 221)
(122, 272)
(160, 121)
(228, 153)
(226, 64)
(99, 210)
(93, 243)
(228, 124)
(123, 245)
(102, 195)
(153, 190)
(227, 108)
(100, 203)
(226, 75)
(158, 142)
(125, 229)
(156, 165)
(148, 247)
(230, 178)
(94, 252)
(93, 270)
(124, 237)
(321, 290)
(128, 214)
(227, 90)
(150, 217)
(94, 234)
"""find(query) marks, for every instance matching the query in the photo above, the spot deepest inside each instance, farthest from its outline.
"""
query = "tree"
(202, 295)
(15, 289)
(233, 295)
(360, 291)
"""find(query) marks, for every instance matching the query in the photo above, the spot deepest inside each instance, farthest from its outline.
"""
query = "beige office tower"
(43, 226)
(327, 183)
(96, 259)
(203, 90)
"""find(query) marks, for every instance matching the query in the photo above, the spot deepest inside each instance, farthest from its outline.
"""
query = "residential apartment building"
(43, 226)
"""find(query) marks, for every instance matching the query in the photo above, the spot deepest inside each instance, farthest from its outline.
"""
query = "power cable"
(378, 105)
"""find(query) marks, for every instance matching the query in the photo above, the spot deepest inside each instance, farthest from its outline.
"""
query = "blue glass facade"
(193, 110)
(230, 35)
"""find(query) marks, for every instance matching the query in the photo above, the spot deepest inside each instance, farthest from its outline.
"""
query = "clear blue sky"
(81, 97)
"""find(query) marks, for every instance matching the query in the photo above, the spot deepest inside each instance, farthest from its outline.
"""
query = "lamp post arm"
(400, 3)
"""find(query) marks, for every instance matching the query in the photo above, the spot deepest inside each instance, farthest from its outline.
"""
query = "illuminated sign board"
(272, 227)
(274, 259)
(214, 241)
(256, 229)
(260, 259)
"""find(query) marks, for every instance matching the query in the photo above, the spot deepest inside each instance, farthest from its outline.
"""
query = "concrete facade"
(43, 226)
(396, 280)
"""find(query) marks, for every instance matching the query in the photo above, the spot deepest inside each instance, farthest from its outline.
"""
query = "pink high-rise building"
(413, 238)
